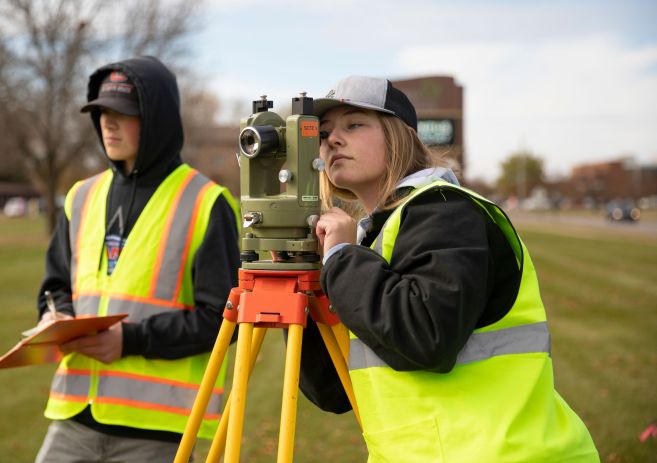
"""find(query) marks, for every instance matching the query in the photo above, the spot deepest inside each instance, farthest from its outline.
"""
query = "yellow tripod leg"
(340, 365)
(238, 395)
(290, 394)
(341, 334)
(205, 391)
(219, 441)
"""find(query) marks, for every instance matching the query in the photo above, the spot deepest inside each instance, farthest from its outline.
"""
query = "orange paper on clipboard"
(43, 346)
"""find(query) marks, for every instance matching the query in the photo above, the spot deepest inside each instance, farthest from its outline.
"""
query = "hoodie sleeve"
(57, 278)
(189, 332)
(417, 312)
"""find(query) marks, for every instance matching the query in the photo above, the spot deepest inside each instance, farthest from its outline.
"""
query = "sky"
(573, 82)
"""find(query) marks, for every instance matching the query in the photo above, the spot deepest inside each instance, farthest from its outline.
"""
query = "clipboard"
(43, 345)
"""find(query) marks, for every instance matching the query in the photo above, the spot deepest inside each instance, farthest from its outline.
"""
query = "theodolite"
(279, 166)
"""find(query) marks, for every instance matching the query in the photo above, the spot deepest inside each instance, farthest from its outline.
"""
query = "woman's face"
(353, 148)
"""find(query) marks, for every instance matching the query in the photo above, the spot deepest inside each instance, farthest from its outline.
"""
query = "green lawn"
(598, 287)
(600, 293)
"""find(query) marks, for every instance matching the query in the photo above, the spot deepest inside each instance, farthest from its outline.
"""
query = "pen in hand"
(50, 303)
(47, 318)
(52, 314)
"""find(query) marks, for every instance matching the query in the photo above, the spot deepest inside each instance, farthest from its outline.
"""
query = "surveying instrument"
(279, 276)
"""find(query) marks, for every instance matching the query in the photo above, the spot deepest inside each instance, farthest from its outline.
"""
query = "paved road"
(643, 227)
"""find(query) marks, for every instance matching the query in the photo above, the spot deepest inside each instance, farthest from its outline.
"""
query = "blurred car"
(15, 207)
(623, 211)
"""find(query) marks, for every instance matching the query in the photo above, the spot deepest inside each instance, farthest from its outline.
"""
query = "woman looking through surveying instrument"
(450, 351)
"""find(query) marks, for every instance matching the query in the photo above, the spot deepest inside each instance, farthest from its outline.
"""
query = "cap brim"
(321, 105)
(128, 108)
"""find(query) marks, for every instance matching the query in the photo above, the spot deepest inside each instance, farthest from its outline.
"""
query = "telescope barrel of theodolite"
(279, 180)
(261, 139)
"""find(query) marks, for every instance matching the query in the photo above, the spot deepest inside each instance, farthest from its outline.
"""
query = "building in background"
(438, 101)
(613, 180)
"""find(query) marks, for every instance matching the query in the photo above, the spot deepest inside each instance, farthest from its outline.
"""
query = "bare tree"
(47, 50)
(199, 111)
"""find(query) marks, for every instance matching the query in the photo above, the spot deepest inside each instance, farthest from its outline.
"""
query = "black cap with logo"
(118, 93)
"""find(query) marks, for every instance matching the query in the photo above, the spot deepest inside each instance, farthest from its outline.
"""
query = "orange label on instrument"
(309, 129)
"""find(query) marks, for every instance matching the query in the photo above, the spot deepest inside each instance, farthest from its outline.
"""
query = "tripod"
(266, 299)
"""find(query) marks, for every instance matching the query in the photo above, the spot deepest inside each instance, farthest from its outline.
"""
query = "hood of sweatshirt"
(160, 143)
(161, 137)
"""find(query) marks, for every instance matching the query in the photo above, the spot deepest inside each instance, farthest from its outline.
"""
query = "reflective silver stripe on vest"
(152, 392)
(523, 339)
(71, 384)
(378, 243)
(167, 280)
(87, 304)
(137, 310)
(137, 390)
(76, 220)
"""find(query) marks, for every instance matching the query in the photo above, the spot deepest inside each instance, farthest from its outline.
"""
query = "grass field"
(598, 286)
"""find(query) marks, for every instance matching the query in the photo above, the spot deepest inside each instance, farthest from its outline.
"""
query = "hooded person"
(150, 237)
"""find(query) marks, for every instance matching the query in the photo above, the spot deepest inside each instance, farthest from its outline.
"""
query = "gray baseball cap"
(368, 93)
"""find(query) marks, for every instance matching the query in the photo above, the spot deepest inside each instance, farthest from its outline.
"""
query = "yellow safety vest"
(152, 276)
(498, 404)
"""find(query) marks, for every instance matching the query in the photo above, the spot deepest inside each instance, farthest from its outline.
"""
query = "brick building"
(438, 101)
(618, 179)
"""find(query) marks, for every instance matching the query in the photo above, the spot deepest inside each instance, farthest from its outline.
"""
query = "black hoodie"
(167, 335)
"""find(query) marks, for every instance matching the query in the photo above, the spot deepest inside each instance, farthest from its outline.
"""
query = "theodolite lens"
(259, 139)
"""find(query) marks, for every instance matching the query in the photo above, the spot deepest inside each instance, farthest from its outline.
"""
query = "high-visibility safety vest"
(152, 276)
(498, 404)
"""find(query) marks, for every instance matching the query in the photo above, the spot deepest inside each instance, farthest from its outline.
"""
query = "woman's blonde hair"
(405, 154)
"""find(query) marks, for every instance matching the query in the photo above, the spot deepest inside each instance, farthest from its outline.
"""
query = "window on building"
(436, 131)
